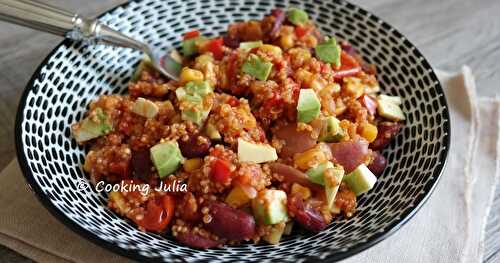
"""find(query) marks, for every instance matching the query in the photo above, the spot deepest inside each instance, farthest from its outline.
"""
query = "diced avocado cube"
(390, 110)
(331, 130)
(297, 16)
(94, 125)
(200, 88)
(361, 180)
(333, 178)
(316, 174)
(274, 236)
(329, 52)
(145, 108)
(212, 132)
(191, 99)
(195, 115)
(393, 99)
(255, 153)
(269, 207)
(189, 46)
(251, 44)
(166, 157)
(257, 67)
(143, 65)
(308, 106)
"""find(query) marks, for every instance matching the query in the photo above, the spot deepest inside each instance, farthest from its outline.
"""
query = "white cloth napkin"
(450, 226)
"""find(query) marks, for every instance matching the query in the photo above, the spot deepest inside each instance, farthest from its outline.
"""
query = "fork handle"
(43, 17)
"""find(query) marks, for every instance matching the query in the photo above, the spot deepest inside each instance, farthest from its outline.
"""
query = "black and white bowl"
(73, 75)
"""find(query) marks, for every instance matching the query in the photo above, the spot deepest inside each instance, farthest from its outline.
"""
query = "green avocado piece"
(189, 46)
(308, 106)
(331, 130)
(329, 52)
(333, 178)
(145, 108)
(191, 96)
(361, 180)
(166, 157)
(274, 236)
(297, 16)
(250, 44)
(94, 125)
(255, 153)
(257, 67)
(316, 174)
(195, 115)
(269, 207)
(212, 132)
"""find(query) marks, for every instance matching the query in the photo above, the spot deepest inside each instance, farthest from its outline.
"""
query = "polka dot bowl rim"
(131, 253)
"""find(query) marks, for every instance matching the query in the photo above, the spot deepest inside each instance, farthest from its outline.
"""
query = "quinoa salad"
(271, 128)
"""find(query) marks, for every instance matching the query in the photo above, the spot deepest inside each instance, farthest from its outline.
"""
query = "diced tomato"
(191, 34)
(157, 214)
(301, 31)
(221, 172)
(349, 67)
(234, 102)
(369, 103)
(215, 46)
(120, 168)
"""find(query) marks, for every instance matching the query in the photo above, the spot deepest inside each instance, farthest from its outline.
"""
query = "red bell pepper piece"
(301, 31)
(221, 172)
(191, 34)
(215, 46)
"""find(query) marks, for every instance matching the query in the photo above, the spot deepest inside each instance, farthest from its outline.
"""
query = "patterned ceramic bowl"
(72, 75)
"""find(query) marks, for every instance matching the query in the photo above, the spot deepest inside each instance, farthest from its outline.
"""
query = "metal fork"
(43, 17)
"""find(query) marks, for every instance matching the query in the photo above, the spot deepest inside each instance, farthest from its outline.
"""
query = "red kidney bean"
(306, 216)
(196, 241)
(349, 154)
(295, 141)
(378, 164)
(386, 132)
(141, 165)
(230, 223)
(292, 175)
(231, 42)
(196, 146)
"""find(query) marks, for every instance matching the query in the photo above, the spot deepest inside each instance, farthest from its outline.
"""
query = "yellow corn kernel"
(192, 164)
(304, 76)
(304, 191)
(275, 50)
(354, 87)
(317, 84)
(310, 158)
(237, 197)
(188, 74)
(202, 60)
(287, 41)
(369, 132)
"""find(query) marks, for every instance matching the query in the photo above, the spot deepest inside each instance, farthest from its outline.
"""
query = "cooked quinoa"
(270, 125)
